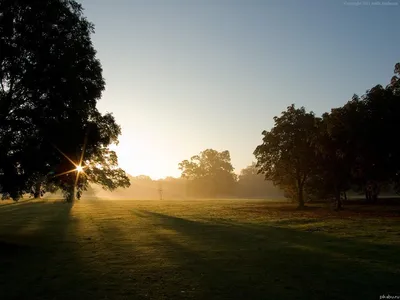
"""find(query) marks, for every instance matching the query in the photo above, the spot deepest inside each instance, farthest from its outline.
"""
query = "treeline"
(211, 175)
(53, 137)
(249, 185)
(351, 147)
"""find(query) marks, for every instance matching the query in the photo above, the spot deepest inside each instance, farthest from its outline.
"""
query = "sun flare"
(79, 168)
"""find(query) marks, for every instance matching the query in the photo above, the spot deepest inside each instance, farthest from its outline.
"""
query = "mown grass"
(197, 250)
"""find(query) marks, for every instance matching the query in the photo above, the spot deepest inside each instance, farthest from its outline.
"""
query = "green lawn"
(222, 249)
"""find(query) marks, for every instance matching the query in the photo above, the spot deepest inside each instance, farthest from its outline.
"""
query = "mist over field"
(201, 150)
(144, 188)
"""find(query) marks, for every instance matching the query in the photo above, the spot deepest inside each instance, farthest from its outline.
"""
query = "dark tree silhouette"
(287, 153)
(334, 159)
(51, 81)
(362, 126)
(393, 123)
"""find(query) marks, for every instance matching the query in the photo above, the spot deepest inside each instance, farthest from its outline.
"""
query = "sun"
(79, 169)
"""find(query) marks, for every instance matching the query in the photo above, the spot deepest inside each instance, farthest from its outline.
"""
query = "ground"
(225, 249)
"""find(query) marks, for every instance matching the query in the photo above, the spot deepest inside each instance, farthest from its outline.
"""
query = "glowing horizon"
(137, 161)
(184, 76)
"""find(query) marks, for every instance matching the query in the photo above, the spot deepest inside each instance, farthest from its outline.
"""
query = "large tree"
(51, 81)
(287, 153)
(334, 158)
(210, 174)
(393, 122)
(368, 122)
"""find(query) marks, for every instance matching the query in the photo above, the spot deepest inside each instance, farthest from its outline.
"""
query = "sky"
(184, 76)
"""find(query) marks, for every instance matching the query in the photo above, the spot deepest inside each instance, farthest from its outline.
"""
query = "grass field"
(197, 250)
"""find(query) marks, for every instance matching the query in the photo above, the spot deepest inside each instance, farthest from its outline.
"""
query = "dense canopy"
(51, 81)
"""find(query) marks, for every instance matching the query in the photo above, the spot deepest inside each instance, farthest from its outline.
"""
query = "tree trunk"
(37, 191)
(367, 195)
(300, 197)
(344, 196)
(338, 201)
(371, 192)
(375, 192)
(71, 195)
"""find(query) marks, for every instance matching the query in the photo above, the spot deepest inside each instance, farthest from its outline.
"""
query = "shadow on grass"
(2, 205)
(382, 200)
(230, 261)
(28, 241)
(296, 221)
(42, 256)
(102, 251)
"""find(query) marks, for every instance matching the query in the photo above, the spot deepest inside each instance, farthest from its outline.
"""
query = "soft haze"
(183, 76)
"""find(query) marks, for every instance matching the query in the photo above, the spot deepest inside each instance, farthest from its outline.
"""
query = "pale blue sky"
(183, 76)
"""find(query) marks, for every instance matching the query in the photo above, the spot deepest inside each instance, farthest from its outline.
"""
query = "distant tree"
(252, 184)
(210, 173)
(50, 83)
(143, 177)
(170, 178)
(173, 188)
(287, 154)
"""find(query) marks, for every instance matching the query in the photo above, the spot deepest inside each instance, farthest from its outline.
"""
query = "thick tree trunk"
(71, 195)
(78, 194)
(37, 190)
(371, 192)
(300, 197)
(368, 196)
(375, 192)
(338, 201)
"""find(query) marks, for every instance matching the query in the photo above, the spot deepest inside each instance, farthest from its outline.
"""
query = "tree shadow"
(98, 251)
(51, 261)
(296, 221)
(2, 205)
(125, 253)
(231, 261)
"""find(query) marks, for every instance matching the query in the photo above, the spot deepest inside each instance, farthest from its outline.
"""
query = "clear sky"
(184, 76)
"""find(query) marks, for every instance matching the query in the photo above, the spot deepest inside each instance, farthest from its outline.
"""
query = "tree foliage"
(51, 81)
(287, 154)
(351, 147)
(210, 173)
(251, 184)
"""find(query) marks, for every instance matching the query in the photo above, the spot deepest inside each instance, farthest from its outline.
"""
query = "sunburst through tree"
(50, 99)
